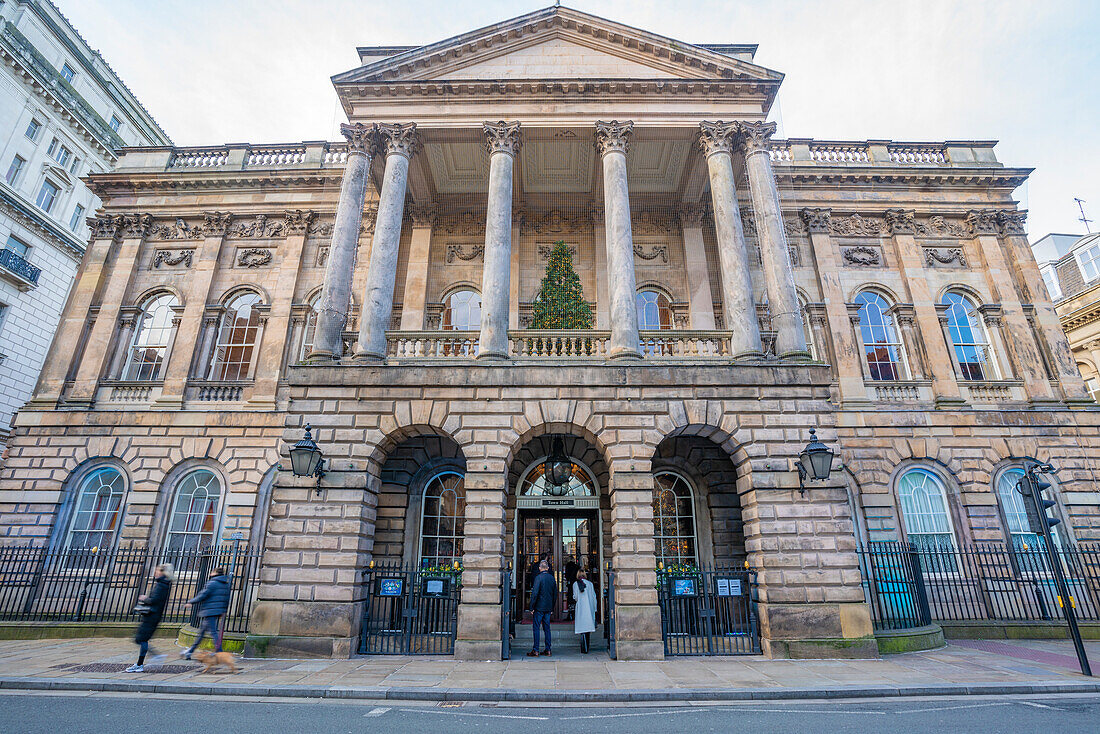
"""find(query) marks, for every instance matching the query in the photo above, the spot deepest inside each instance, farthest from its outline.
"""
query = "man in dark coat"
(213, 602)
(153, 605)
(544, 594)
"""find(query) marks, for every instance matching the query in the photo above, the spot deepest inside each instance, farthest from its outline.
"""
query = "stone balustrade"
(273, 157)
(564, 344)
(881, 153)
(238, 157)
(431, 344)
(199, 158)
(989, 391)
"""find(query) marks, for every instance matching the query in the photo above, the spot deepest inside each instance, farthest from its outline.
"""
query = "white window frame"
(470, 306)
(1090, 267)
(48, 208)
(457, 536)
(118, 510)
(37, 129)
(209, 478)
(942, 551)
(78, 214)
(14, 172)
(225, 329)
(1050, 279)
(980, 344)
(115, 123)
(892, 340)
(658, 536)
(71, 75)
(24, 252)
(141, 343)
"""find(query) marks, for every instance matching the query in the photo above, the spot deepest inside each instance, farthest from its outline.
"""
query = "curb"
(544, 696)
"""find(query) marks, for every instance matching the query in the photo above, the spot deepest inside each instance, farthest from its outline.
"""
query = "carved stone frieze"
(464, 253)
(861, 256)
(1012, 222)
(260, 226)
(544, 251)
(322, 256)
(817, 220)
(501, 137)
(298, 221)
(653, 252)
(934, 256)
(691, 215)
(423, 216)
(466, 223)
(647, 222)
(857, 226)
(173, 258)
(613, 136)
(215, 224)
(104, 228)
(254, 257)
(937, 226)
(982, 222)
(901, 221)
(553, 222)
(176, 230)
(322, 229)
(136, 225)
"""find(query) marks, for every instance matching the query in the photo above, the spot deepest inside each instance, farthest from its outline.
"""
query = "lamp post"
(814, 463)
(306, 459)
(557, 469)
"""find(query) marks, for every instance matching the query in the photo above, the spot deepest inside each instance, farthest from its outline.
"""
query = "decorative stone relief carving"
(258, 227)
(215, 224)
(361, 138)
(177, 230)
(652, 253)
(756, 136)
(982, 222)
(1012, 222)
(400, 139)
(649, 223)
(299, 221)
(861, 256)
(857, 226)
(104, 228)
(254, 257)
(937, 226)
(322, 229)
(501, 137)
(544, 252)
(423, 216)
(554, 222)
(456, 251)
(691, 215)
(136, 225)
(466, 223)
(717, 137)
(322, 256)
(173, 258)
(901, 221)
(944, 256)
(817, 220)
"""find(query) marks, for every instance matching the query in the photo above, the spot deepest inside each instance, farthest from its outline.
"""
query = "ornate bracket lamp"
(557, 469)
(306, 459)
(814, 463)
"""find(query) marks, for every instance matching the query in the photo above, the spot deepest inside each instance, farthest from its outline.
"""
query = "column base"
(321, 358)
(295, 646)
(798, 356)
(368, 358)
(304, 629)
(484, 650)
(494, 355)
(638, 632)
(628, 354)
(748, 356)
(829, 630)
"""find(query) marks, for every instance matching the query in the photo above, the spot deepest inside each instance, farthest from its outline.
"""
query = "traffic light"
(1032, 487)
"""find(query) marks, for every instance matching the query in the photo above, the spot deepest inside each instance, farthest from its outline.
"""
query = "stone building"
(746, 290)
(1070, 265)
(64, 114)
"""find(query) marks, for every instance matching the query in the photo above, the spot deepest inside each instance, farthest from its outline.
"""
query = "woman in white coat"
(584, 620)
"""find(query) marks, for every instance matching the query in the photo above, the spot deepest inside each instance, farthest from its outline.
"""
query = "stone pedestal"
(479, 630)
(637, 613)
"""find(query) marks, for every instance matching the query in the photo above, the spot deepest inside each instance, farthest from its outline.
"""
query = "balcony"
(15, 268)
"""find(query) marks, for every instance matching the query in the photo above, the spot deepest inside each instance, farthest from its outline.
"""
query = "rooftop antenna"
(1083, 218)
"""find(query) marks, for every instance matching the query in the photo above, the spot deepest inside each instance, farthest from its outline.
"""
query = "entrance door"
(568, 542)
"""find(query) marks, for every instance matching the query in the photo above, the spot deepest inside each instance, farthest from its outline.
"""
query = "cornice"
(559, 88)
(106, 183)
(943, 177)
(12, 205)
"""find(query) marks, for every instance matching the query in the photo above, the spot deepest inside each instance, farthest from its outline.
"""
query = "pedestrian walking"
(151, 608)
(544, 595)
(584, 593)
(213, 602)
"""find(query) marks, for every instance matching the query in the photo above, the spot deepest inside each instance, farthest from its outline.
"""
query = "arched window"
(149, 348)
(441, 520)
(1014, 511)
(654, 310)
(309, 331)
(924, 514)
(462, 311)
(881, 345)
(674, 520)
(964, 325)
(534, 484)
(97, 514)
(237, 336)
(196, 511)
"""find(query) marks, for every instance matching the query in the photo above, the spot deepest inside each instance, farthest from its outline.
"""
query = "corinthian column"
(332, 312)
(400, 143)
(611, 139)
(790, 341)
(502, 140)
(716, 140)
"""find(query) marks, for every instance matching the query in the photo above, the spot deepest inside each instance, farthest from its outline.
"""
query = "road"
(126, 714)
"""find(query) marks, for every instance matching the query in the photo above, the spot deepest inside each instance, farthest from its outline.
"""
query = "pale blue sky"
(1024, 72)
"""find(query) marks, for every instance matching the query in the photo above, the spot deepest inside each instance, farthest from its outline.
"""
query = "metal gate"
(709, 612)
(409, 611)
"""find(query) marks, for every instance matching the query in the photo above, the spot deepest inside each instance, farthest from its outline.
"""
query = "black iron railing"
(14, 262)
(709, 611)
(42, 585)
(908, 586)
(409, 610)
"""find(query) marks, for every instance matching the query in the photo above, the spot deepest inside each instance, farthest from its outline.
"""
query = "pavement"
(964, 667)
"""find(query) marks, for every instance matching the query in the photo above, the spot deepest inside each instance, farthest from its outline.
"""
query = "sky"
(1024, 72)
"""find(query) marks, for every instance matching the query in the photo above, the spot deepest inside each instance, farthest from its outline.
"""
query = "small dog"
(213, 659)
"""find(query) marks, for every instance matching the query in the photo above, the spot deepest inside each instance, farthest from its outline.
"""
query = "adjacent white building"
(64, 114)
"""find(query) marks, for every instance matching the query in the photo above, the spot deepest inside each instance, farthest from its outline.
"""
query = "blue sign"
(390, 587)
(684, 586)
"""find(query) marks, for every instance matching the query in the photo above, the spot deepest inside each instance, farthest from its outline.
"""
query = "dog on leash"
(213, 659)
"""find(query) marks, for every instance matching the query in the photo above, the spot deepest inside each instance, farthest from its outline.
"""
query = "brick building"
(745, 290)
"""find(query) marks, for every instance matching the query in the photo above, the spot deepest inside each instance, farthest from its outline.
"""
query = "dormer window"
(68, 73)
(1090, 262)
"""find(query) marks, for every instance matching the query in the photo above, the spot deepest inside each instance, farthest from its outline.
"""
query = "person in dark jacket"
(213, 602)
(154, 602)
(544, 594)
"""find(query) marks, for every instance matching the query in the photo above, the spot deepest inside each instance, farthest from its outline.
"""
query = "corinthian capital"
(104, 228)
(298, 220)
(501, 137)
(613, 136)
(1012, 222)
(399, 139)
(136, 225)
(900, 221)
(215, 223)
(981, 221)
(717, 137)
(361, 138)
(691, 215)
(422, 216)
(817, 220)
(756, 136)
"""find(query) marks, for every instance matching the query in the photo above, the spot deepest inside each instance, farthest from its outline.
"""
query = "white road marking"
(950, 708)
(375, 712)
(1036, 705)
(467, 713)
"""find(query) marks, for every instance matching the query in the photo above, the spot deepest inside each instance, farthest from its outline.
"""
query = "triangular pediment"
(557, 43)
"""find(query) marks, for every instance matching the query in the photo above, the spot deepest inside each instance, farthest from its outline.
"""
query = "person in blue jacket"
(213, 602)
(544, 594)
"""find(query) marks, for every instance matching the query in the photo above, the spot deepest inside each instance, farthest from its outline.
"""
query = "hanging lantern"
(815, 462)
(557, 469)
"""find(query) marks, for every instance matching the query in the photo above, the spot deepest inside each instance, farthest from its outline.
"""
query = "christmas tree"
(560, 303)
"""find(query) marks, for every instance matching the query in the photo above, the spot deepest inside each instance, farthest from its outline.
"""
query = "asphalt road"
(123, 714)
